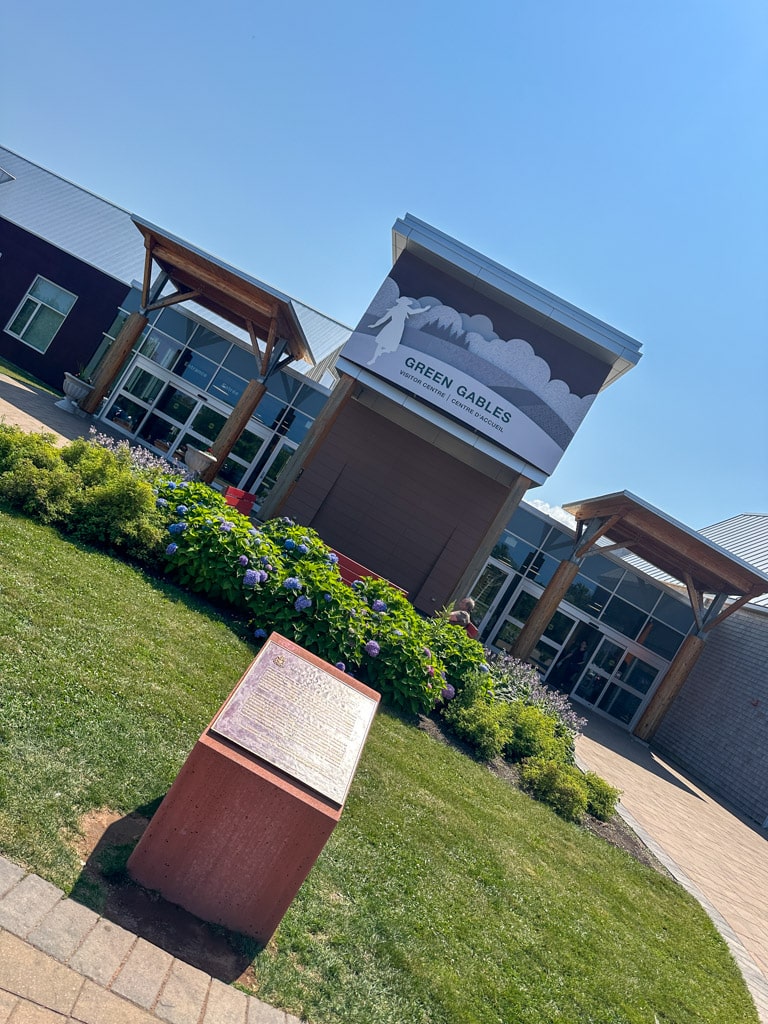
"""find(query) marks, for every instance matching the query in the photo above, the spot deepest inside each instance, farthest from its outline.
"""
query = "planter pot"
(75, 390)
(198, 461)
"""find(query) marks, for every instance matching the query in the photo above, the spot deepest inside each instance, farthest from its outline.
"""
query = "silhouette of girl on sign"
(390, 337)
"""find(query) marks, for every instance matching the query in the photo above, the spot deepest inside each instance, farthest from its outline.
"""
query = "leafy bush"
(561, 786)
(485, 724)
(601, 797)
(535, 734)
(47, 493)
(516, 680)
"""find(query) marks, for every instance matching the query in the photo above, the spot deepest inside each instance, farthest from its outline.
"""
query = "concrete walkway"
(716, 854)
(34, 410)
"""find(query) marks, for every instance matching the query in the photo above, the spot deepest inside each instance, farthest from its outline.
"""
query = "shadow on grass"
(105, 886)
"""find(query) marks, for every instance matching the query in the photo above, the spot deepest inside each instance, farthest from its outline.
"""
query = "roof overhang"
(668, 544)
(522, 296)
(229, 293)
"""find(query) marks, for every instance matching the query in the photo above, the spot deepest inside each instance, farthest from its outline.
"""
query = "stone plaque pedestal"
(236, 835)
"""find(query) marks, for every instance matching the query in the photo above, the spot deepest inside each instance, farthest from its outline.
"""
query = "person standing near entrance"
(568, 667)
(462, 616)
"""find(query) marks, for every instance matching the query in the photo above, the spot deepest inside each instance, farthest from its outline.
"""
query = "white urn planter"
(198, 461)
(75, 390)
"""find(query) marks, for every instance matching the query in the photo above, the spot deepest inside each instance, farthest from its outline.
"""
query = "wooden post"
(307, 449)
(670, 686)
(491, 536)
(233, 428)
(544, 609)
(113, 360)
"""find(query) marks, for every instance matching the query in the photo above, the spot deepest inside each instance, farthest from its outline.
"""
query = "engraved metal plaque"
(297, 716)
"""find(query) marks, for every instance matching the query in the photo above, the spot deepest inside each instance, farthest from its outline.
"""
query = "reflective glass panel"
(543, 655)
(143, 385)
(242, 363)
(228, 388)
(231, 472)
(623, 617)
(635, 673)
(512, 550)
(619, 704)
(176, 404)
(159, 432)
(487, 587)
(175, 324)
(42, 328)
(195, 368)
(209, 344)
(247, 446)
(161, 350)
(660, 639)
(274, 471)
(208, 423)
(586, 594)
(602, 571)
(125, 413)
(284, 387)
(528, 526)
(542, 568)
(507, 635)
(269, 411)
(310, 401)
(53, 296)
(558, 627)
(639, 591)
(590, 687)
(675, 613)
(559, 544)
(298, 428)
(523, 607)
(608, 656)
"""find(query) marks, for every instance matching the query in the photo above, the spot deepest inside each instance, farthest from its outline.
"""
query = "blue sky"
(614, 153)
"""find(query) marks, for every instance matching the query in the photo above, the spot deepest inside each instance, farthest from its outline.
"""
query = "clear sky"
(614, 153)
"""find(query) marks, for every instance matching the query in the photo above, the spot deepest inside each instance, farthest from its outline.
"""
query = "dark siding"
(24, 256)
(392, 501)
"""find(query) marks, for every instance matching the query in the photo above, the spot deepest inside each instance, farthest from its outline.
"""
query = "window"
(41, 313)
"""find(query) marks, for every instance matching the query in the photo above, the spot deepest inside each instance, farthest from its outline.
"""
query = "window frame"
(40, 305)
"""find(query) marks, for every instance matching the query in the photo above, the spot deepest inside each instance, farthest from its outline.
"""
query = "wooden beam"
(147, 279)
(233, 428)
(544, 609)
(696, 598)
(209, 274)
(171, 300)
(678, 671)
(744, 599)
(254, 343)
(270, 344)
(113, 360)
(596, 535)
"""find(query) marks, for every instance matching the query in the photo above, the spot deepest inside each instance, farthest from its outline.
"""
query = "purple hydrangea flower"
(332, 557)
(302, 603)
(289, 545)
(250, 578)
(264, 560)
(372, 649)
(341, 666)
(430, 671)
(172, 549)
(259, 633)
(226, 526)
(427, 652)
(448, 692)
(303, 549)
(379, 605)
(161, 503)
(182, 509)
(292, 583)
(243, 560)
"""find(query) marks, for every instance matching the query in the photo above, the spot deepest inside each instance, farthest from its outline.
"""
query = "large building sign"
(477, 361)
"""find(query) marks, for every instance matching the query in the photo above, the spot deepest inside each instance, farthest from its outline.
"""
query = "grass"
(26, 378)
(443, 896)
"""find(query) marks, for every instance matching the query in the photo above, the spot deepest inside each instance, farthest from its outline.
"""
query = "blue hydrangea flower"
(226, 526)
(243, 560)
(171, 485)
(161, 503)
(357, 584)
(327, 597)
(253, 531)
(484, 667)
(264, 560)
(259, 633)
(287, 521)
(177, 528)
(302, 549)
(292, 583)
(172, 549)
(372, 649)
(332, 557)
(448, 692)
(341, 666)
(379, 605)
(182, 509)
(302, 603)
(250, 578)
(289, 544)
(262, 576)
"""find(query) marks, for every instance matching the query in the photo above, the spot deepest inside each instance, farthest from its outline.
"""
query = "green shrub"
(535, 734)
(601, 797)
(461, 656)
(560, 786)
(15, 445)
(484, 724)
(119, 513)
(45, 492)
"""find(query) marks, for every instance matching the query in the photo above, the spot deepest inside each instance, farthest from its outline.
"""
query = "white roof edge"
(485, 270)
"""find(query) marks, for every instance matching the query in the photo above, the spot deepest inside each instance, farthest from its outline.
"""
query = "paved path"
(61, 962)
(716, 854)
(34, 410)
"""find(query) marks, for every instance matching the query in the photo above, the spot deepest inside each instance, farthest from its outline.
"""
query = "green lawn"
(10, 370)
(443, 895)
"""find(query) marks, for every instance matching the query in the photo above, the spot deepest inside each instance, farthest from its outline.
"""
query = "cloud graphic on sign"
(515, 357)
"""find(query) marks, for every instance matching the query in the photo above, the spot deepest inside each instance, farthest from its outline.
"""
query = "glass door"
(552, 641)
(617, 681)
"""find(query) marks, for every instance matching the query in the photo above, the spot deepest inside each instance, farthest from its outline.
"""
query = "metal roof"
(76, 221)
(510, 289)
(746, 535)
(675, 548)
